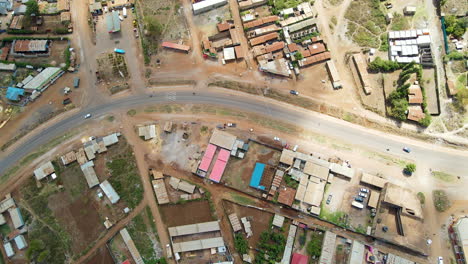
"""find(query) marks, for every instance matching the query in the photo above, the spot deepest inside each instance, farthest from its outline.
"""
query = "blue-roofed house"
(257, 175)
(13, 94)
(20, 242)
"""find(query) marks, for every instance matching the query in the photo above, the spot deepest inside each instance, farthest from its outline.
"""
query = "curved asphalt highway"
(448, 160)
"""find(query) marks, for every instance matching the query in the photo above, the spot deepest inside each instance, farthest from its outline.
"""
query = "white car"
(441, 260)
(364, 190)
(121, 18)
(87, 116)
(276, 138)
(363, 195)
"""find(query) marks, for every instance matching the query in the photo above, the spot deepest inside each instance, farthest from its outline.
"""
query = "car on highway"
(294, 92)
(330, 196)
(359, 199)
(406, 149)
(87, 116)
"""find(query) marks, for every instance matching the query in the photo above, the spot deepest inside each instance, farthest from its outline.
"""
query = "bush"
(410, 167)
(426, 121)
(314, 247)
(240, 243)
(421, 197)
(298, 56)
(455, 26)
(380, 65)
(61, 30)
(441, 201)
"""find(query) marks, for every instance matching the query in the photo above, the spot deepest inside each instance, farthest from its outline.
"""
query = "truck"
(76, 82)
(124, 12)
(357, 205)
(120, 51)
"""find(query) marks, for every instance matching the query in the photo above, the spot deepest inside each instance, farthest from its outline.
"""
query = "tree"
(410, 168)
(380, 65)
(32, 8)
(240, 243)
(153, 26)
(399, 107)
(314, 247)
(298, 56)
(455, 26)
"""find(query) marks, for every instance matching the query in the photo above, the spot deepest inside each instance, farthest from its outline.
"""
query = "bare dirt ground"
(186, 214)
(102, 256)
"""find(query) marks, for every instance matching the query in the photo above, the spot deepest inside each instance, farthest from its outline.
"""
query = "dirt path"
(112, 232)
(234, 6)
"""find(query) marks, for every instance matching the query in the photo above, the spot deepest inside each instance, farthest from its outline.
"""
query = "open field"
(366, 22)
(190, 212)
(102, 257)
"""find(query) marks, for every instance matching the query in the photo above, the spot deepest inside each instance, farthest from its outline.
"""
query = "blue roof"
(113, 22)
(13, 93)
(257, 175)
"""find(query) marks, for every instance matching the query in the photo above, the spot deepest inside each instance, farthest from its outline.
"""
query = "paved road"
(437, 157)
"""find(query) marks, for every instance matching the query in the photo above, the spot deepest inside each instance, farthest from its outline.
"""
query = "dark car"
(329, 198)
(359, 199)
(294, 92)
(66, 101)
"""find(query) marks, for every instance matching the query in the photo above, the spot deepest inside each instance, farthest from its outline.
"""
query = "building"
(20, 242)
(410, 45)
(5, 6)
(147, 132)
(373, 199)
(286, 195)
(225, 26)
(222, 139)
(263, 39)
(30, 46)
(248, 4)
(186, 230)
(373, 181)
(6, 204)
(415, 95)
(333, 74)
(44, 170)
(14, 94)
(278, 220)
(131, 246)
(342, 170)
(321, 57)
(63, 5)
(95, 8)
(289, 244)
(6, 66)
(68, 158)
(220, 165)
(415, 113)
(45, 78)
(328, 248)
(65, 17)
(409, 10)
(109, 191)
(235, 223)
(229, 54)
(299, 259)
(160, 190)
(301, 25)
(16, 217)
(175, 46)
(276, 67)
(361, 69)
(112, 22)
(357, 253)
(207, 5)
(257, 175)
(90, 174)
(8, 249)
(459, 236)
(261, 21)
(196, 245)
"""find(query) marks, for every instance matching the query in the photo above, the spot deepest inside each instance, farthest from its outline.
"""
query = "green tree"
(410, 167)
(456, 26)
(380, 65)
(298, 56)
(153, 26)
(314, 247)
(240, 243)
(399, 107)
(32, 8)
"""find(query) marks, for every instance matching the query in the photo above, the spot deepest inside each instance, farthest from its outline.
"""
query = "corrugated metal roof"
(194, 229)
(186, 187)
(342, 170)
(301, 25)
(20, 242)
(316, 170)
(299, 259)
(176, 46)
(113, 22)
(357, 253)
(207, 157)
(373, 180)
(109, 191)
(90, 174)
(131, 246)
(289, 245)
(44, 170)
(148, 132)
(198, 244)
(328, 248)
(42, 78)
(206, 4)
(68, 158)
(16, 217)
(9, 249)
(278, 220)
(160, 190)
(257, 175)
(222, 139)
(235, 223)
(30, 46)
(110, 139)
(6, 204)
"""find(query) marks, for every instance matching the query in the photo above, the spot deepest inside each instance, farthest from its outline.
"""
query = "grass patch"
(421, 197)
(143, 235)
(159, 82)
(131, 112)
(314, 247)
(387, 159)
(443, 176)
(125, 178)
(338, 218)
(110, 118)
(366, 22)
(400, 22)
(290, 182)
(242, 199)
(271, 242)
(237, 86)
(441, 200)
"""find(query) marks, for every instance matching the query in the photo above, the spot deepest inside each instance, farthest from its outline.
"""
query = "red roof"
(292, 47)
(223, 26)
(176, 46)
(207, 158)
(299, 259)
(126, 262)
(316, 48)
(220, 165)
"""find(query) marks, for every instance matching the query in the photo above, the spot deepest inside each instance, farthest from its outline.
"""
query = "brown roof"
(21, 45)
(239, 52)
(292, 47)
(305, 53)
(415, 94)
(452, 89)
(65, 16)
(4, 52)
(63, 5)
(223, 26)
(263, 39)
(315, 39)
(274, 46)
(316, 48)
(415, 113)
(316, 58)
(261, 21)
(286, 195)
(235, 37)
(206, 44)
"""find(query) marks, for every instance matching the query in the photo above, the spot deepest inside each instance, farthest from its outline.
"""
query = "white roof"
(222, 139)
(342, 170)
(6, 204)
(461, 228)
(7, 67)
(289, 244)
(110, 139)
(20, 242)
(229, 53)
(2, 219)
(148, 132)
(194, 229)
(198, 244)
(109, 192)
(328, 248)
(186, 187)
(207, 3)
(42, 78)
(278, 220)
(131, 246)
(9, 249)
(16, 217)
(357, 252)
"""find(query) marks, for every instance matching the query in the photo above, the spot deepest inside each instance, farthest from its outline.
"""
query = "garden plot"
(113, 72)
(239, 171)
(6, 79)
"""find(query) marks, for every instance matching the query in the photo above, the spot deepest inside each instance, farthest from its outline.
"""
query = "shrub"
(380, 65)
(441, 201)
(240, 243)
(410, 167)
(61, 30)
(455, 26)
(314, 247)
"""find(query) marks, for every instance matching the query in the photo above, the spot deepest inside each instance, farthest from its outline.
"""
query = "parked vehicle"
(364, 195)
(294, 92)
(87, 116)
(66, 101)
(388, 5)
(357, 205)
(440, 260)
(330, 196)
(76, 82)
(121, 18)
(120, 51)
(124, 12)
(364, 190)
(359, 199)
(406, 149)
(231, 124)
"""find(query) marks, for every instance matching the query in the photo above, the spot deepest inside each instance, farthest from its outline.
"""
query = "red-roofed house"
(299, 259)
(126, 262)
